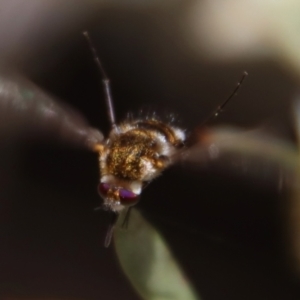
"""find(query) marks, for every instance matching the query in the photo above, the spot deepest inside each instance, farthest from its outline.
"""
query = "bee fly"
(135, 153)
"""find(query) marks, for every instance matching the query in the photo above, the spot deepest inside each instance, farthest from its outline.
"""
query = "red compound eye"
(127, 197)
(103, 188)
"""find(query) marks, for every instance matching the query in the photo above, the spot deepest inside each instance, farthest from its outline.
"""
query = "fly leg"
(110, 230)
(126, 219)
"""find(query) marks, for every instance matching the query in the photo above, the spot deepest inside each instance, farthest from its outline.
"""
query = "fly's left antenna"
(219, 109)
(105, 80)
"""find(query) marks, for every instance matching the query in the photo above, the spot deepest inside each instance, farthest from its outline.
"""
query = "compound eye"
(127, 197)
(103, 189)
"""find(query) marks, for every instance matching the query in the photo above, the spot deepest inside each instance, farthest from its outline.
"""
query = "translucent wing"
(250, 153)
(24, 108)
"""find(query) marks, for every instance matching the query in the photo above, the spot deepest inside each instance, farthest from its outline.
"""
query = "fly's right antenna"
(105, 80)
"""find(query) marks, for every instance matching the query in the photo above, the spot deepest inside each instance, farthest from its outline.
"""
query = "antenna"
(220, 108)
(105, 81)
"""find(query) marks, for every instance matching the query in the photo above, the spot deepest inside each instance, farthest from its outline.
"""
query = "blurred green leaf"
(148, 262)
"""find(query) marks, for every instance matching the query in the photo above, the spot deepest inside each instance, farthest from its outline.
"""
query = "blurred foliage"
(148, 263)
(248, 29)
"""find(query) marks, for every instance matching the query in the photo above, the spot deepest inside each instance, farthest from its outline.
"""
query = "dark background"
(226, 228)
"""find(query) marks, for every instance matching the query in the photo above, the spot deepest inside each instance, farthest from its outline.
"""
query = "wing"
(24, 108)
(249, 153)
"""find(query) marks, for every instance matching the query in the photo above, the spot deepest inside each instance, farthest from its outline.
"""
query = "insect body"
(135, 153)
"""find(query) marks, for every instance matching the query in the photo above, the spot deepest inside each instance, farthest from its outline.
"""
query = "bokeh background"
(226, 227)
